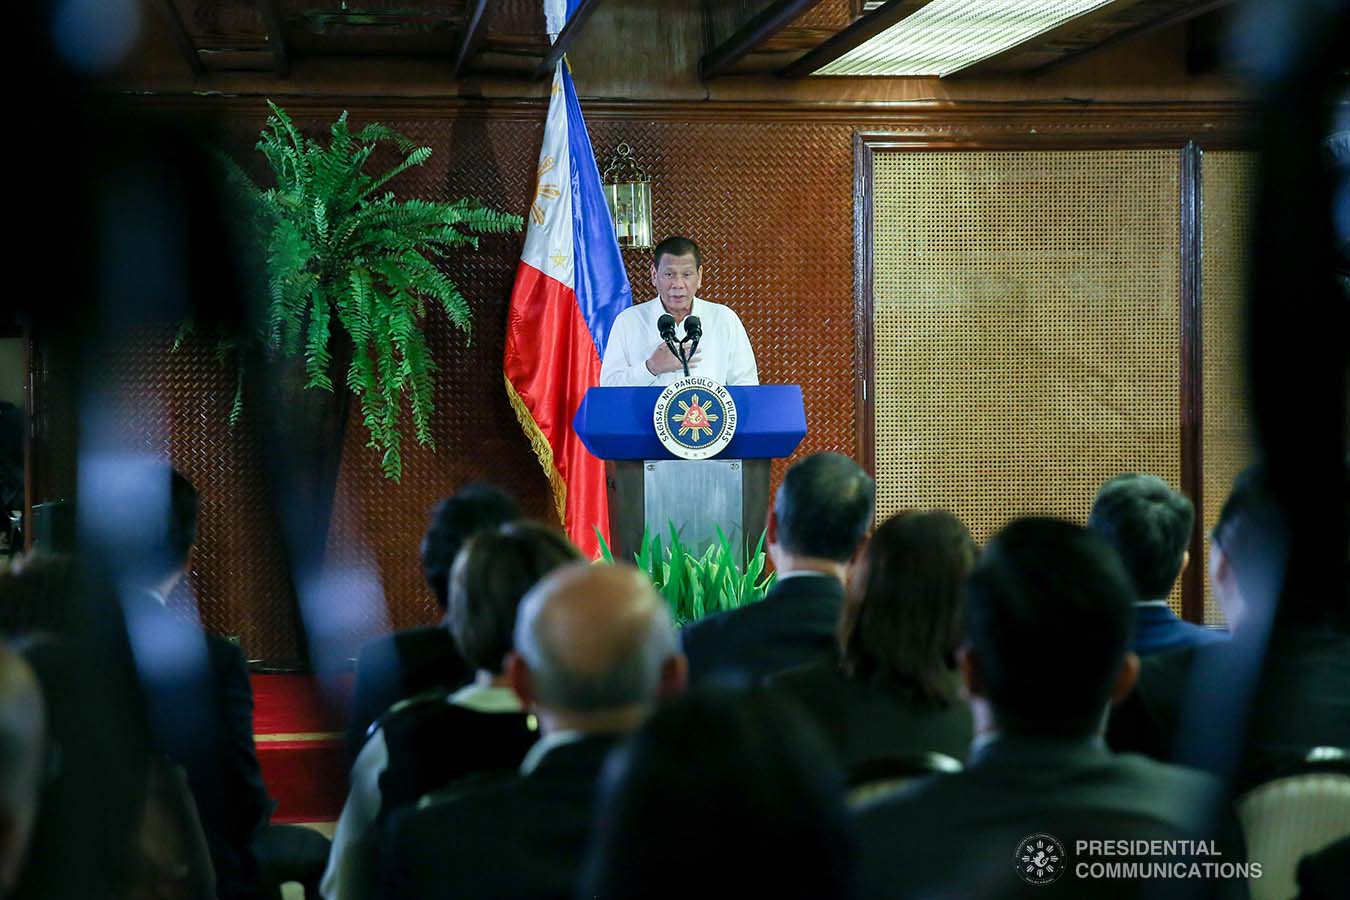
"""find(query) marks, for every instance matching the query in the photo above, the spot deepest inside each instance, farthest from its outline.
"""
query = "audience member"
(1280, 687)
(1149, 525)
(894, 689)
(594, 650)
(743, 771)
(38, 589)
(415, 660)
(1047, 621)
(426, 742)
(195, 684)
(820, 517)
(23, 745)
(95, 790)
(1324, 875)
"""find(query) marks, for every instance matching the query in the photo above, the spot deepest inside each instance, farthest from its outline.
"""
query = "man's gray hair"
(636, 678)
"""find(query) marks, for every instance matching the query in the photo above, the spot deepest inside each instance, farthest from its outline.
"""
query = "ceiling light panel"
(948, 35)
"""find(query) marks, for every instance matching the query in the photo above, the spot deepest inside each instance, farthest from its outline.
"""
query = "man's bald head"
(595, 638)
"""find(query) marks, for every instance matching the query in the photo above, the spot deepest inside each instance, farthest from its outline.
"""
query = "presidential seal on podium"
(695, 418)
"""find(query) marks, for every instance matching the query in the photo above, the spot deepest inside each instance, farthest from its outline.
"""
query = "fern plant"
(697, 586)
(343, 255)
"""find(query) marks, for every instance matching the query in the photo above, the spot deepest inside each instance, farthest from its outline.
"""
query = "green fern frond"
(338, 250)
(237, 404)
(416, 158)
(185, 331)
(317, 357)
(376, 133)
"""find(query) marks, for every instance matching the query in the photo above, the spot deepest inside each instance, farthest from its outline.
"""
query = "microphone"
(693, 331)
(665, 326)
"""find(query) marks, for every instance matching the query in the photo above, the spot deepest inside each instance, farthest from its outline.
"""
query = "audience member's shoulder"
(1166, 672)
(807, 675)
(475, 798)
(1179, 784)
(1324, 875)
(708, 627)
(390, 646)
(225, 650)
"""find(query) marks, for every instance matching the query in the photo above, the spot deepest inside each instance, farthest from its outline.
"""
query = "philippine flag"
(569, 288)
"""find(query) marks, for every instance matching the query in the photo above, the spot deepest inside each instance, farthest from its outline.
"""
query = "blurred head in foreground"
(1049, 614)
(738, 776)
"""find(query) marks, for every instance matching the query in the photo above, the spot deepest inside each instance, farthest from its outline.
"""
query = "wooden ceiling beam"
(770, 20)
(855, 35)
(270, 10)
(181, 38)
(473, 37)
(565, 38)
(1143, 28)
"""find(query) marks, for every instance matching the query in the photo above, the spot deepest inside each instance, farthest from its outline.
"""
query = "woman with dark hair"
(721, 794)
(894, 689)
(424, 743)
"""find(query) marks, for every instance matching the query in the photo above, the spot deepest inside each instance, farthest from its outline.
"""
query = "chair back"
(1293, 815)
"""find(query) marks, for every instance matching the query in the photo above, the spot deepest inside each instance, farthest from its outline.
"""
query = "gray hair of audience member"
(612, 661)
(23, 731)
(1149, 525)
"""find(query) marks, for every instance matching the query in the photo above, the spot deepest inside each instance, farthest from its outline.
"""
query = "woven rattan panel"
(1227, 184)
(1026, 317)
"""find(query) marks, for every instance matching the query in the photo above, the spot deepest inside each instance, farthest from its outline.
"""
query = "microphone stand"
(677, 350)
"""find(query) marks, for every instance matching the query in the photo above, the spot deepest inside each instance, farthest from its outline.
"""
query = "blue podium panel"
(616, 422)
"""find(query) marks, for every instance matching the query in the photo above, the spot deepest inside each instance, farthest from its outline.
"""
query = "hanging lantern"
(628, 191)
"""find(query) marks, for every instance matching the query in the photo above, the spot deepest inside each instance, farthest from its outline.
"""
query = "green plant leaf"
(342, 257)
(606, 555)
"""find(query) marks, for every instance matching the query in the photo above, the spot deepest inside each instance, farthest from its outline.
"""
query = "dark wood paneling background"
(768, 192)
(770, 204)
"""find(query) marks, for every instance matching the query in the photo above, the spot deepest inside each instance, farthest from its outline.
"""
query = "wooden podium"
(649, 486)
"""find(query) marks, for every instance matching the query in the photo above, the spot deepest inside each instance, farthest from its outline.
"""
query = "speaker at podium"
(695, 454)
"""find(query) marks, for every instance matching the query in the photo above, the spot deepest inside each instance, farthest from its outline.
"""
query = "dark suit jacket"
(1300, 700)
(432, 742)
(1158, 630)
(522, 838)
(792, 625)
(199, 706)
(398, 666)
(955, 836)
(1324, 875)
(864, 722)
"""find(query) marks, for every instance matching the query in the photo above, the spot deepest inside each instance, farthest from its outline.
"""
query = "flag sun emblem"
(694, 419)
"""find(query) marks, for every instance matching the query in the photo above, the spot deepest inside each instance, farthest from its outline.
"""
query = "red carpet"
(297, 724)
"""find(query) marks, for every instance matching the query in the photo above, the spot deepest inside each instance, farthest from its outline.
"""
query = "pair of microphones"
(693, 331)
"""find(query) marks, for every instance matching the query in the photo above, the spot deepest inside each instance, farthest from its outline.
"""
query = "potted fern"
(351, 272)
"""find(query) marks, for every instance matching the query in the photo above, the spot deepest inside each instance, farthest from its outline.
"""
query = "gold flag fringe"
(542, 449)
